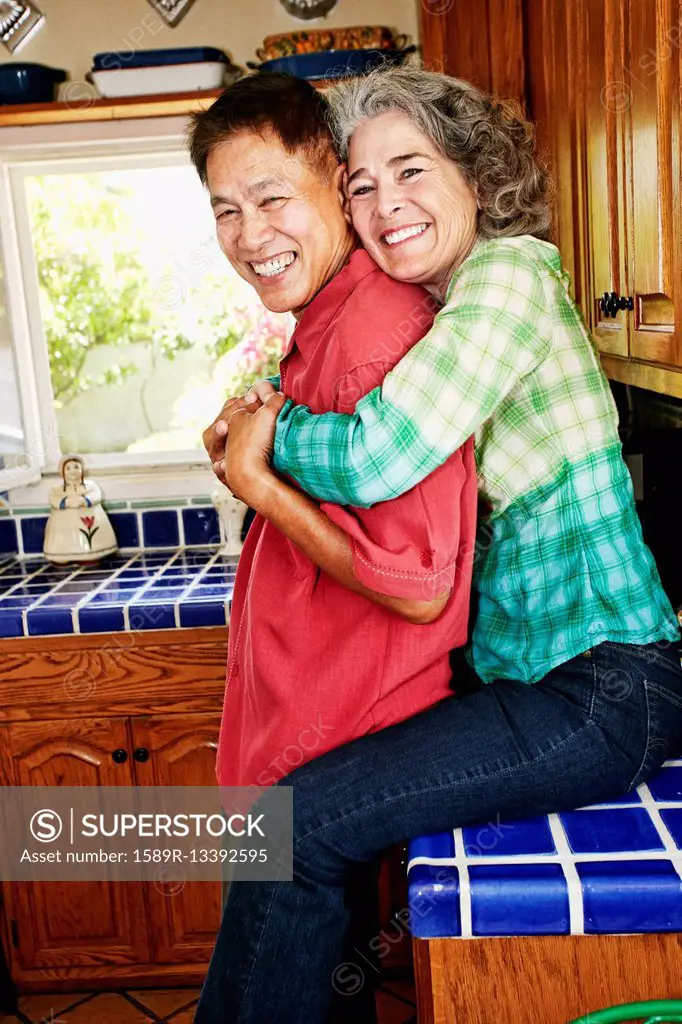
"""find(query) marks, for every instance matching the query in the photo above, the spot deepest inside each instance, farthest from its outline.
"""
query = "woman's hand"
(248, 450)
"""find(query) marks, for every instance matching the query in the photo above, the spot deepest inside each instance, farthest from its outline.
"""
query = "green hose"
(664, 1011)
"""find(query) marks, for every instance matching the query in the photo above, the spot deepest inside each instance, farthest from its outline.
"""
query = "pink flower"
(88, 520)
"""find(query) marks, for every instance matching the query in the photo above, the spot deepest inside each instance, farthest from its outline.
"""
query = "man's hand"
(248, 450)
(215, 436)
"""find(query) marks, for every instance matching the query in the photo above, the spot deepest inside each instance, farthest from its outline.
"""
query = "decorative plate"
(172, 11)
(307, 9)
(17, 21)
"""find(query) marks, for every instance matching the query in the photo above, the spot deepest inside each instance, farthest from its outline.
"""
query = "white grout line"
(20, 538)
(200, 575)
(549, 858)
(23, 582)
(79, 604)
(654, 811)
(574, 887)
(467, 929)
(181, 528)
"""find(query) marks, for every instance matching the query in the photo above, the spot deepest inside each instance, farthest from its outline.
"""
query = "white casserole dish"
(167, 78)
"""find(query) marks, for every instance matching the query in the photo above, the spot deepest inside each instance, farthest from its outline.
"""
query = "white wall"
(77, 29)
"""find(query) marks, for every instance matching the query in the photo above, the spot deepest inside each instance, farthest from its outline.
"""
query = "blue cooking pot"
(332, 63)
(29, 83)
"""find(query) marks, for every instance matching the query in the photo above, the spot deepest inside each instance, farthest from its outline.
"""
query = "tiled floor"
(395, 1002)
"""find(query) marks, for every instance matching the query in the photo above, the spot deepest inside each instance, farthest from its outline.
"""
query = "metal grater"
(172, 11)
(18, 21)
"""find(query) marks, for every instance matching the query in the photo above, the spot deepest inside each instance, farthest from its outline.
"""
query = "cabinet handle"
(120, 756)
(611, 304)
(141, 754)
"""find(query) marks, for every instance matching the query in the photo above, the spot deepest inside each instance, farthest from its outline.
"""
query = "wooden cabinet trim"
(664, 380)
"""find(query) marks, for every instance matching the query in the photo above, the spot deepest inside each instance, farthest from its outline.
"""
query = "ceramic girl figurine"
(78, 529)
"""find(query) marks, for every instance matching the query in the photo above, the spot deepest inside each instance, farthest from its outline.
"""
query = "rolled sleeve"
(414, 547)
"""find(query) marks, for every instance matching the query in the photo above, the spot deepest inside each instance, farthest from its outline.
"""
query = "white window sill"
(130, 485)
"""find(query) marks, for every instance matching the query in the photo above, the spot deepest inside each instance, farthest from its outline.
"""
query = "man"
(342, 619)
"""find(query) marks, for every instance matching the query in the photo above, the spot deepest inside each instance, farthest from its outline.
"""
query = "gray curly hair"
(491, 142)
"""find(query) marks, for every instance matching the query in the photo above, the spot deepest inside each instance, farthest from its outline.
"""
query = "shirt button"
(235, 670)
(426, 559)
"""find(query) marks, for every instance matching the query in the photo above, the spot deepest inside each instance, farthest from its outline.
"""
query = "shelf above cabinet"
(90, 109)
(126, 108)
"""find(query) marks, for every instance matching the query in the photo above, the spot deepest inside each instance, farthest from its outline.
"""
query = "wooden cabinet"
(66, 704)
(653, 36)
(83, 923)
(604, 88)
(555, 36)
(183, 918)
(606, 192)
(478, 40)
(601, 79)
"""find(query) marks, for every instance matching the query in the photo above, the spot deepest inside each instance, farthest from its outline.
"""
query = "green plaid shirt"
(561, 564)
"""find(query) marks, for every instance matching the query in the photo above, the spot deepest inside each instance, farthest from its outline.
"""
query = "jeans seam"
(256, 954)
(594, 688)
(435, 789)
(645, 755)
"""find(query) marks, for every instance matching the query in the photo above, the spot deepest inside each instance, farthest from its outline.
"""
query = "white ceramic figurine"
(78, 529)
(231, 512)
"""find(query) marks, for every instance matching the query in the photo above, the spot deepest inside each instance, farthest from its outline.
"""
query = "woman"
(580, 689)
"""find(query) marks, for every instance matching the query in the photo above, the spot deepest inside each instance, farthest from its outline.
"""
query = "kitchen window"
(129, 328)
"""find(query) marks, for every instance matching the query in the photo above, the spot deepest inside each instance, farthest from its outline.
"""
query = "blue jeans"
(591, 730)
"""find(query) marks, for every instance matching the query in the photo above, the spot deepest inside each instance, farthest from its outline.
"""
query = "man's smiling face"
(280, 222)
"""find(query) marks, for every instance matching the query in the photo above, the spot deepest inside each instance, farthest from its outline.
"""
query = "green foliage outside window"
(97, 290)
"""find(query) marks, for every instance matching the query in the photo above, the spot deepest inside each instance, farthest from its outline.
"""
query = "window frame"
(81, 146)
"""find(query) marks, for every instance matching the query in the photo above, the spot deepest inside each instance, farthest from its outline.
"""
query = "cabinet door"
(69, 924)
(478, 40)
(184, 917)
(607, 102)
(654, 37)
(557, 65)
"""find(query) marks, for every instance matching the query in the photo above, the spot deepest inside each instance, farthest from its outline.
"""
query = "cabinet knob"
(120, 756)
(611, 304)
(141, 754)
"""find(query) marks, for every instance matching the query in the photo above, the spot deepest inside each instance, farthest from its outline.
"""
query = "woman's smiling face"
(411, 206)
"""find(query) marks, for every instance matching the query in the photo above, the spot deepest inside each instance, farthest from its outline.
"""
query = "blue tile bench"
(555, 916)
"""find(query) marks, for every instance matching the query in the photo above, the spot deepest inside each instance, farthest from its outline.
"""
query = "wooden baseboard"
(105, 978)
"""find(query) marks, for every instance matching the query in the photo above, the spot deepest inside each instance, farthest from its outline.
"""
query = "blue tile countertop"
(139, 590)
(608, 869)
